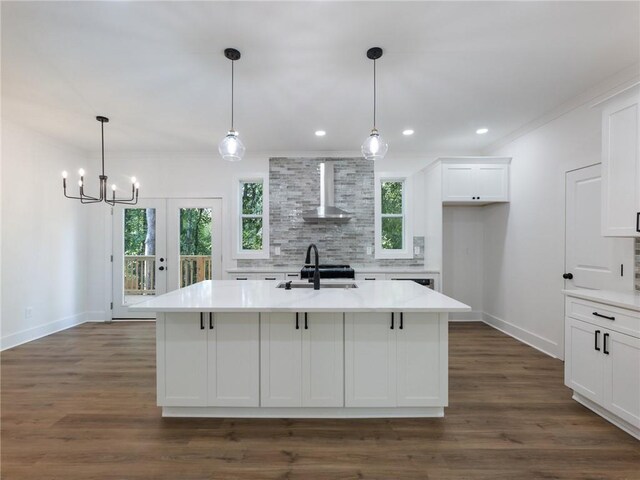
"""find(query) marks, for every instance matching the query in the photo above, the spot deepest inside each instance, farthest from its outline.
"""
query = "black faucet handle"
(287, 285)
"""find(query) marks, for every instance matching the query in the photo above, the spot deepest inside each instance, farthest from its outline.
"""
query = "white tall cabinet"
(621, 164)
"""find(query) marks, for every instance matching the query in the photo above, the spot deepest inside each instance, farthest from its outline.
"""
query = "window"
(252, 239)
(393, 231)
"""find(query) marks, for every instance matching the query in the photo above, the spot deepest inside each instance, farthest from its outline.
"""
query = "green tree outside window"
(392, 213)
(251, 197)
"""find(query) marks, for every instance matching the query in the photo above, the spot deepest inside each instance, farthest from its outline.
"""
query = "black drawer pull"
(201, 321)
(638, 222)
(605, 346)
(242, 278)
(211, 321)
(597, 340)
(297, 322)
(603, 316)
(401, 320)
(392, 320)
(369, 278)
(306, 321)
(269, 278)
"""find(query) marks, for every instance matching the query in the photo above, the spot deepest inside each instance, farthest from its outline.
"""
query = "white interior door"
(161, 245)
(139, 255)
(594, 261)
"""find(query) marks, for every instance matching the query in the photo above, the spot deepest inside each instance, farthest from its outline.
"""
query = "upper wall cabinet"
(475, 180)
(621, 165)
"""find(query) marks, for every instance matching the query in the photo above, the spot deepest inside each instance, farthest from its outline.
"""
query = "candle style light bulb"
(80, 183)
(133, 180)
(113, 187)
(137, 185)
(81, 172)
(64, 174)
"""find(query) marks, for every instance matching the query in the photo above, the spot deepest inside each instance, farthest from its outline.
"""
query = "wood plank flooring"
(80, 404)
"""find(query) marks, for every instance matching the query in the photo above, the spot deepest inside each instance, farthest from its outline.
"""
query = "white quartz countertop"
(356, 268)
(628, 299)
(263, 296)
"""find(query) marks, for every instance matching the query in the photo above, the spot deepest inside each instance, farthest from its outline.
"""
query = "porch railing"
(140, 272)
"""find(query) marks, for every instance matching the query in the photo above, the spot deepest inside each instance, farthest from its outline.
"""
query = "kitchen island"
(254, 349)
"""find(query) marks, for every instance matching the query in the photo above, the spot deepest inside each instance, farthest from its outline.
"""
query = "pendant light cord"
(374, 94)
(102, 131)
(232, 62)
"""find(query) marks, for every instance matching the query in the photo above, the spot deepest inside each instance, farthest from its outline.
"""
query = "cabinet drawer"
(613, 318)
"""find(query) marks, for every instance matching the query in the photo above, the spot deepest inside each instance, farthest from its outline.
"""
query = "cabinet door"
(584, 365)
(492, 183)
(422, 360)
(322, 360)
(370, 360)
(280, 360)
(185, 361)
(458, 183)
(622, 377)
(621, 166)
(233, 359)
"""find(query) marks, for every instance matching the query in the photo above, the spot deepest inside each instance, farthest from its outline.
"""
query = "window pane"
(195, 245)
(252, 234)
(139, 253)
(391, 197)
(392, 233)
(252, 198)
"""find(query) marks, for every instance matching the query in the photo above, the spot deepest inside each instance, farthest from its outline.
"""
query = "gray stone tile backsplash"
(294, 186)
(637, 269)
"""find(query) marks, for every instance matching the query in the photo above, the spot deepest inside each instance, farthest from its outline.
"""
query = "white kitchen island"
(249, 349)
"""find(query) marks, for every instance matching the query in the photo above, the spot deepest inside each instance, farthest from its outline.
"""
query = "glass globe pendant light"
(231, 147)
(374, 147)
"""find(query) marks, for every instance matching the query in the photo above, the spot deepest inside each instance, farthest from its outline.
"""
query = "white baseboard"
(542, 344)
(98, 316)
(18, 338)
(304, 412)
(473, 316)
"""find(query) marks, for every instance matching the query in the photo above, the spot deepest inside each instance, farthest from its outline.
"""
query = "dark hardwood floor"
(80, 404)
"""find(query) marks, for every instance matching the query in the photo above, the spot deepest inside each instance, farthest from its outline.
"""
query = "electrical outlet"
(277, 250)
(28, 312)
(416, 250)
(369, 250)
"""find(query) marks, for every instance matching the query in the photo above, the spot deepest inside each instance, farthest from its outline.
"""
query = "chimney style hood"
(327, 211)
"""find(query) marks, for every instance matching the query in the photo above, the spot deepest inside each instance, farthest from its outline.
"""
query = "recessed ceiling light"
(320, 133)
(408, 131)
(482, 131)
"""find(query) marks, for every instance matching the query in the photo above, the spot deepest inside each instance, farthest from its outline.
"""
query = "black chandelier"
(103, 182)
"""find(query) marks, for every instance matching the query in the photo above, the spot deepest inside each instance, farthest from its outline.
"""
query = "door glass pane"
(195, 245)
(139, 254)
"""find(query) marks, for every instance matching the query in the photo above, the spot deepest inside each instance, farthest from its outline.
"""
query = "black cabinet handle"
(392, 320)
(597, 340)
(297, 322)
(603, 316)
(201, 321)
(567, 276)
(401, 320)
(638, 222)
(306, 321)
(160, 268)
(242, 278)
(605, 346)
(211, 321)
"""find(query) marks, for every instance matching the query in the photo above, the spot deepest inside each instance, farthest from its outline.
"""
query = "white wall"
(524, 240)
(463, 257)
(44, 238)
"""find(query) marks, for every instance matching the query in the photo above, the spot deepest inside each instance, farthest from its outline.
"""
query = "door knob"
(161, 268)
(567, 276)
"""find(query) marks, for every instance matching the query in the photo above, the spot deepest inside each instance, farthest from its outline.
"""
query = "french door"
(161, 245)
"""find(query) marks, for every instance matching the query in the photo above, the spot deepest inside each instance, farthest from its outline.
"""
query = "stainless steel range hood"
(327, 211)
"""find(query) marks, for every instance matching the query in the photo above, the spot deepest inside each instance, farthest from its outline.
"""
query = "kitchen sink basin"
(345, 285)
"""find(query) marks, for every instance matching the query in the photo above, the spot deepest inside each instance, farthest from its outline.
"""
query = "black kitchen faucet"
(316, 271)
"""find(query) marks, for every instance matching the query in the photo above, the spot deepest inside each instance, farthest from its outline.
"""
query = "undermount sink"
(345, 285)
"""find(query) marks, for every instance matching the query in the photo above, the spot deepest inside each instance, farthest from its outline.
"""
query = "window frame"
(238, 251)
(407, 227)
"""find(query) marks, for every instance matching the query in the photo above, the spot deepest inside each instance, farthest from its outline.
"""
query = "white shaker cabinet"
(302, 360)
(395, 360)
(621, 165)
(475, 180)
(602, 360)
(208, 359)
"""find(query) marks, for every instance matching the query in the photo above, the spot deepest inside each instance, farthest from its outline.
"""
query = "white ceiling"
(157, 70)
